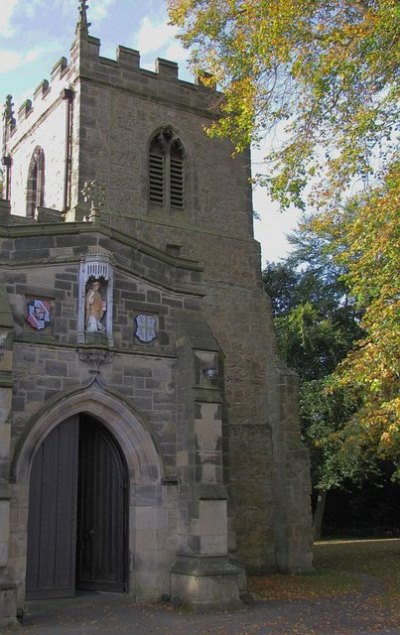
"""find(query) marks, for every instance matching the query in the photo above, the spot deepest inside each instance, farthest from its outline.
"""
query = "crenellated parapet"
(124, 72)
(46, 95)
(43, 95)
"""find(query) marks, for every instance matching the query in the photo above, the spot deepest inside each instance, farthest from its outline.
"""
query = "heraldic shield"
(38, 314)
(145, 327)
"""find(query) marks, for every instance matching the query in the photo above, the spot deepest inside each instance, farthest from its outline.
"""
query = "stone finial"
(83, 25)
(9, 121)
(8, 112)
(94, 193)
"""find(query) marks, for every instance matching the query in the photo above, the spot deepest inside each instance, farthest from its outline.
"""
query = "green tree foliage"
(367, 245)
(321, 82)
(323, 75)
(317, 324)
(316, 319)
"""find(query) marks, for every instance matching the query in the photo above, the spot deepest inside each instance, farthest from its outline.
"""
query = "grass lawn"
(342, 567)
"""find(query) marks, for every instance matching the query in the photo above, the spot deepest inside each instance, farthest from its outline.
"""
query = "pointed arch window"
(35, 187)
(166, 170)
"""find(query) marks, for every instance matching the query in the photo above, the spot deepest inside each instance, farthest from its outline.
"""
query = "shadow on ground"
(103, 613)
(356, 590)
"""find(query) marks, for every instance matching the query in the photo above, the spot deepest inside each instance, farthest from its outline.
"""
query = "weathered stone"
(196, 405)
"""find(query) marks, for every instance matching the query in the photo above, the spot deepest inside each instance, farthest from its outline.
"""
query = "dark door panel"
(101, 549)
(52, 514)
(77, 529)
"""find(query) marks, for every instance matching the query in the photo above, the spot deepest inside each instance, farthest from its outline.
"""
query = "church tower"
(149, 434)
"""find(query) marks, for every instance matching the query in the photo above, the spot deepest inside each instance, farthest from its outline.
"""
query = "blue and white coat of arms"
(145, 327)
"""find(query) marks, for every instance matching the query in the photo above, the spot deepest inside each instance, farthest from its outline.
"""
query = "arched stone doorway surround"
(147, 533)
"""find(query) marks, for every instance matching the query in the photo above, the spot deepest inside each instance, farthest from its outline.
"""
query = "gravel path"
(105, 614)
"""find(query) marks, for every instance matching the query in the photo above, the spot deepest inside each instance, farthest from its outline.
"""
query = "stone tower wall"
(115, 107)
(118, 108)
(122, 106)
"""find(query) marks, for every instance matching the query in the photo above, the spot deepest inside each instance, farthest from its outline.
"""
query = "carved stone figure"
(95, 308)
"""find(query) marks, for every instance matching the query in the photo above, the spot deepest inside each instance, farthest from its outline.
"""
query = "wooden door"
(77, 529)
(52, 514)
(102, 507)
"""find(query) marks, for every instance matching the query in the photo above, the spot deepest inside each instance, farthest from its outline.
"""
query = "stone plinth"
(206, 583)
(8, 602)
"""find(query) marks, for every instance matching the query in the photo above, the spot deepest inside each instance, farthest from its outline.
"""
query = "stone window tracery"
(36, 182)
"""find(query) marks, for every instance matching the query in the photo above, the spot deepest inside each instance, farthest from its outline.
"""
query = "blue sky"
(34, 34)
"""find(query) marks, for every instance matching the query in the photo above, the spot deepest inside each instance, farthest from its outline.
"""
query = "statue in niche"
(95, 307)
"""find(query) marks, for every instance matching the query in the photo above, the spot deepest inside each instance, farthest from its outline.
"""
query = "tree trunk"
(319, 513)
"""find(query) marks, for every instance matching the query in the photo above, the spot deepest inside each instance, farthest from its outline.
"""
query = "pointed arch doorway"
(78, 511)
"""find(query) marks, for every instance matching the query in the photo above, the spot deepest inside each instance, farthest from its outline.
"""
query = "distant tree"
(317, 324)
(366, 244)
(317, 321)
(281, 282)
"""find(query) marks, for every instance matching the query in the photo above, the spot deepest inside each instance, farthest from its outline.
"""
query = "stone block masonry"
(137, 320)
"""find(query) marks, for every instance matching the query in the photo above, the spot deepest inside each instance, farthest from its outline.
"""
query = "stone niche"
(95, 313)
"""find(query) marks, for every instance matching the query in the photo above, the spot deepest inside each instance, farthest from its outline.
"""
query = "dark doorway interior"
(77, 530)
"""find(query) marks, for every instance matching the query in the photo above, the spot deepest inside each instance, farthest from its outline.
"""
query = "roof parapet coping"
(43, 215)
(59, 68)
(94, 41)
(48, 215)
(41, 90)
(166, 68)
(25, 110)
(128, 57)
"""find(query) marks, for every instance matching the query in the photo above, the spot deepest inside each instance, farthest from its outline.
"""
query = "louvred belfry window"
(166, 170)
(176, 175)
(157, 194)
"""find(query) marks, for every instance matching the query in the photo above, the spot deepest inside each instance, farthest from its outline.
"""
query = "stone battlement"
(46, 96)
(124, 72)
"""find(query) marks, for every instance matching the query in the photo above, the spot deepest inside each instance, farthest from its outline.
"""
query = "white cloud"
(6, 13)
(176, 52)
(11, 60)
(154, 36)
(99, 9)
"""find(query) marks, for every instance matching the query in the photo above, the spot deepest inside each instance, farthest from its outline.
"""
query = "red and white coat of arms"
(38, 314)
